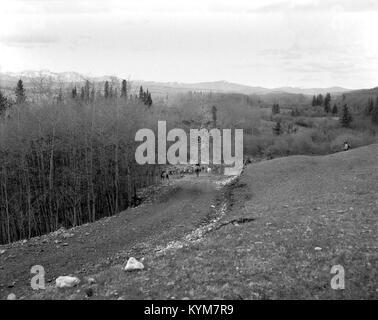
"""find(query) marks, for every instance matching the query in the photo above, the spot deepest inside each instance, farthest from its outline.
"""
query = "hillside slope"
(299, 203)
(289, 220)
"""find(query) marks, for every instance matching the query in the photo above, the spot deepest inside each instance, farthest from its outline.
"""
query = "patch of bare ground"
(167, 215)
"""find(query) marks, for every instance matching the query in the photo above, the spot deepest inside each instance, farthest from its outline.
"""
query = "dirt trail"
(179, 208)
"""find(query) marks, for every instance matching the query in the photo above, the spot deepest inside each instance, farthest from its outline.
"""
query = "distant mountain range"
(9, 78)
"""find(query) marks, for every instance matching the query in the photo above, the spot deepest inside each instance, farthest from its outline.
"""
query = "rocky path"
(181, 207)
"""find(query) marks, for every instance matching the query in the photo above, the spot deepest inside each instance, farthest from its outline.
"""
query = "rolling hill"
(8, 79)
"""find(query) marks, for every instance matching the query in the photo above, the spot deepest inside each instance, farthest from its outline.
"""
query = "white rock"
(11, 296)
(91, 280)
(318, 248)
(133, 264)
(66, 282)
(67, 235)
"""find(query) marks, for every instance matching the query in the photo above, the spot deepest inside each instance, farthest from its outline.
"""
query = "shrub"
(354, 139)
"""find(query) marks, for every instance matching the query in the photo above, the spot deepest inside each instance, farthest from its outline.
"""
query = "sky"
(269, 43)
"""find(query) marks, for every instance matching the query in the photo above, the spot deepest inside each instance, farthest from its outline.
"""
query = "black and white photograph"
(192, 156)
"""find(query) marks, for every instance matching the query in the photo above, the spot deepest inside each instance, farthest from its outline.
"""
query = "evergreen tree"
(59, 98)
(369, 107)
(327, 103)
(374, 113)
(82, 94)
(3, 103)
(334, 109)
(275, 108)
(346, 117)
(314, 101)
(149, 100)
(86, 91)
(295, 112)
(214, 115)
(93, 93)
(20, 92)
(106, 89)
(277, 130)
(111, 91)
(320, 99)
(124, 89)
(74, 93)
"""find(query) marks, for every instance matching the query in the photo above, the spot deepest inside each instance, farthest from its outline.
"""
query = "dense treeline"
(68, 161)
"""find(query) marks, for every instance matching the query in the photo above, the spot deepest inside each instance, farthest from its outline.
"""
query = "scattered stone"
(57, 241)
(11, 296)
(133, 264)
(67, 235)
(2, 252)
(66, 282)
(212, 206)
(91, 280)
(121, 298)
(87, 233)
(65, 244)
(318, 249)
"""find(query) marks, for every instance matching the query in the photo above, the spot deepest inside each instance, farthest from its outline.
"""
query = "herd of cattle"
(196, 169)
(180, 172)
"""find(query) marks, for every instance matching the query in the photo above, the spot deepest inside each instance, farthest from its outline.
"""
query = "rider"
(197, 169)
(346, 146)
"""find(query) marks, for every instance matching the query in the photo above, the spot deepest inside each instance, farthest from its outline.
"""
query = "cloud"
(93, 7)
(318, 5)
(31, 40)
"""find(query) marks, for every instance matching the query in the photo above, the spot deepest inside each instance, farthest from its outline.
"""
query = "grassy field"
(289, 220)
